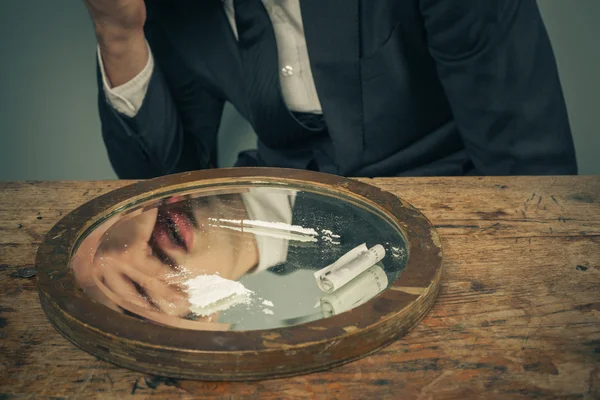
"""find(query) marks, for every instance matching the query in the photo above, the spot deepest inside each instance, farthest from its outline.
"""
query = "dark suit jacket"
(411, 87)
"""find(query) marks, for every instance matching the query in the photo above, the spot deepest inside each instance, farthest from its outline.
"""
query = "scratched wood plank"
(518, 315)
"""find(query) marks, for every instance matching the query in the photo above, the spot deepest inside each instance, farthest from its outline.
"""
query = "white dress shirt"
(297, 83)
(270, 206)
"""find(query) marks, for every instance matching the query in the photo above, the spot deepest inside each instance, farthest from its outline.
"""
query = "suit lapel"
(332, 29)
(201, 33)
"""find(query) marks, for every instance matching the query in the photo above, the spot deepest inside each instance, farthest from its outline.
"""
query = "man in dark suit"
(352, 87)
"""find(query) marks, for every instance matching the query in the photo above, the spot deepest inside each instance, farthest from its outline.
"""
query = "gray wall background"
(49, 127)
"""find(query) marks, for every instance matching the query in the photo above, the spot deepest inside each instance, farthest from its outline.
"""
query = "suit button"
(288, 70)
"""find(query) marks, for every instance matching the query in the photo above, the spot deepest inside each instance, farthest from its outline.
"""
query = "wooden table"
(518, 314)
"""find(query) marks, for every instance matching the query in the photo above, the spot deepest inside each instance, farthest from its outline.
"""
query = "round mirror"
(239, 274)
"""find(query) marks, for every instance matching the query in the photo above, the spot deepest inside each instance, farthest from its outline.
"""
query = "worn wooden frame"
(238, 355)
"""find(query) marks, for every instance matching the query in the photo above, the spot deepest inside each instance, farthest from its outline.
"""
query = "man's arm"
(174, 129)
(497, 67)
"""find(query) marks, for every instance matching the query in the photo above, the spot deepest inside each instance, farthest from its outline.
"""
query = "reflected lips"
(173, 229)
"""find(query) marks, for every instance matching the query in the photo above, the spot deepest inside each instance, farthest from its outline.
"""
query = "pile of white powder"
(209, 294)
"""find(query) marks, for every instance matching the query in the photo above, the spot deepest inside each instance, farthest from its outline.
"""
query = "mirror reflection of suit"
(333, 217)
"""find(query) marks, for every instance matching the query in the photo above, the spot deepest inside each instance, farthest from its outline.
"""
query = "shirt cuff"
(129, 97)
(270, 206)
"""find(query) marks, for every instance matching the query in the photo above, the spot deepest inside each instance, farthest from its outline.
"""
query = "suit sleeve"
(176, 126)
(498, 70)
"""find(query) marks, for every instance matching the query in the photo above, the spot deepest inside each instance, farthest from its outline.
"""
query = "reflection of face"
(140, 263)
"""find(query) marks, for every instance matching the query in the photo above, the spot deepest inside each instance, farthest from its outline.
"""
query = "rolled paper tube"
(346, 258)
(351, 265)
(358, 291)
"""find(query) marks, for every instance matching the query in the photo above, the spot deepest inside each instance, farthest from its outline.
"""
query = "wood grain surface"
(518, 315)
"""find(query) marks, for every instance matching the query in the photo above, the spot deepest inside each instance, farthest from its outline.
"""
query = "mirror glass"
(240, 258)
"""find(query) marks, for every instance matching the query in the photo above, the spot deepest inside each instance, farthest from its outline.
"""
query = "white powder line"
(330, 233)
(272, 225)
(270, 233)
(329, 240)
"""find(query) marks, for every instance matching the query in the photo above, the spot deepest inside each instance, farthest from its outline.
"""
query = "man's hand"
(119, 28)
(141, 262)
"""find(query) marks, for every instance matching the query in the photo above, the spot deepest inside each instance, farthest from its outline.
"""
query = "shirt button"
(287, 71)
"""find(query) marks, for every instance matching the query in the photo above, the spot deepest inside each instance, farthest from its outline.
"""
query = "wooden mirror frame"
(238, 355)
